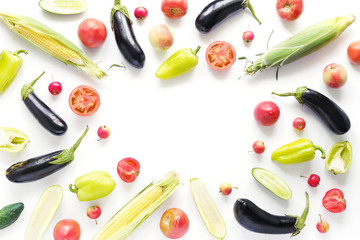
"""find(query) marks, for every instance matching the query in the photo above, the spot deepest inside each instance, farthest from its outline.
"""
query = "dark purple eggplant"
(42, 166)
(45, 116)
(328, 111)
(125, 36)
(255, 219)
(218, 11)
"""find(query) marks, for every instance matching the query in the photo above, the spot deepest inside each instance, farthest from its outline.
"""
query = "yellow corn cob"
(127, 219)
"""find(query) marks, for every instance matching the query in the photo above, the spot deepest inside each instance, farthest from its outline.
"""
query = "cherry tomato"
(258, 147)
(103, 132)
(92, 32)
(334, 200)
(266, 113)
(174, 223)
(94, 212)
(353, 52)
(220, 55)
(289, 9)
(140, 13)
(313, 180)
(55, 88)
(299, 124)
(84, 100)
(225, 188)
(322, 226)
(67, 229)
(248, 36)
(174, 8)
(128, 169)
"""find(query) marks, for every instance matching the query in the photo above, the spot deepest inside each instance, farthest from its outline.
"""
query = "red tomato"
(299, 124)
(289, 9)
(67, 229)
(266, 113)
(174, 223)
(84, 100)
(174, 8)
(128, 169)
(220, 55)
(334, 200)
(92, 32)
(353, 52)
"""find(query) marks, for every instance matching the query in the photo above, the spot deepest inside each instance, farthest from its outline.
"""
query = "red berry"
(258, 147)
(94, 212)
(140, 13)
(322, 226)
(299, 124)
(248, 36)
(55, 88)
(226, 189)
(103, 132)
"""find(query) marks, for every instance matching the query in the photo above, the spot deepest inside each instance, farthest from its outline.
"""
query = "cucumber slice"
(64, 7)
(207, 209)
(272, 182)
(44, 212)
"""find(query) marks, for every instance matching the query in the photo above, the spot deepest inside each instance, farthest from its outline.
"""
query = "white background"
(200, 124)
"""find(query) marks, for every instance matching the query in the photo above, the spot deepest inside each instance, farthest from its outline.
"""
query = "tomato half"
(220, 55)
(84, 100)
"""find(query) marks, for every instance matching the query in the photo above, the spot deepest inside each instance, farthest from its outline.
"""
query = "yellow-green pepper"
(93, 185)
(10, 64)
(339, 157)
(12, 140)
(299, 151)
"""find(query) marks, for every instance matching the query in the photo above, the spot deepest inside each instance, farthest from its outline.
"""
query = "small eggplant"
(42, 166)
(335, 118)
(46, 117)
(218, 11)
(253, 218)
(125, 37)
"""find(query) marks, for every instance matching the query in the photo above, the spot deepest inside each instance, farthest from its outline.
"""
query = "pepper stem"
(247, 4)
(27, 89)
(323, 154)
(73, 188)
(197, 50)
(300, 221)
(21, 51)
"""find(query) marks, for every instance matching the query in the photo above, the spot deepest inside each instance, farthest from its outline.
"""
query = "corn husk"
(50, 42)
(301, 44)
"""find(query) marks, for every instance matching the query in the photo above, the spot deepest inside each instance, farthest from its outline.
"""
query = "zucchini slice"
(207, 209)
(44, 212)
(272, 182)
(64, 7)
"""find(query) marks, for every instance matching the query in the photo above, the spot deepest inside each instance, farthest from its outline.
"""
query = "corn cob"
(127, 219)
(301, 44)
(50, 42)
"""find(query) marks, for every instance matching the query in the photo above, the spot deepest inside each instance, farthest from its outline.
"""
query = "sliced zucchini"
(12, 140)
(207, 209)
(272, 182)
(44, 212)
(64, 7)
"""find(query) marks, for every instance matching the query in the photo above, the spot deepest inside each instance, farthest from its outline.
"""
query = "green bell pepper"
(93, 185)
(339, 157)
(179, 63)
(12, 140)
(10, 64)
(299, 151)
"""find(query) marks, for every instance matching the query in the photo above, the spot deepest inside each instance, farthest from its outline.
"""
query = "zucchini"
(207, 209)
(10, 213)
(272, 182)
(64, 7)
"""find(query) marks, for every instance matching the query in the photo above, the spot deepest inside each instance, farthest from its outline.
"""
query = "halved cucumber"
(64, 7)
(207, 209)
(44, 212)
(272, 182)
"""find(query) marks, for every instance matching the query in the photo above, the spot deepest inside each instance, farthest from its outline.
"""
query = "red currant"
(103, 132)
(140, 13)
(248, 36)
(322, 226)
(299, 124)
(55, 88)
(94, 212)
(226, 189)
(258, 147)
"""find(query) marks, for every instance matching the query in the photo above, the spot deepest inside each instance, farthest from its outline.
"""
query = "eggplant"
(328, 111)
(255, 219)
(125, 37)
(45, 116)
(218, 11)
(42, 166)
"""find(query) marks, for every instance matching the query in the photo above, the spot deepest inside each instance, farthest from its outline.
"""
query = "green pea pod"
(299, 151)
(12, 140)
(339, 157)
(10, 64)
(93, 185)
(179, 63)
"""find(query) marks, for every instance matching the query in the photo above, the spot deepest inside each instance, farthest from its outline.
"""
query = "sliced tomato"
(220, 55)
(84, 100)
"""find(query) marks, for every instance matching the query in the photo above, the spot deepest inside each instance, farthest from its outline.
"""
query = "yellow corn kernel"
(132, 212)
(49, 45)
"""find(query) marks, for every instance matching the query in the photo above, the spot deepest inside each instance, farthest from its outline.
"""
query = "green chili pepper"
(339, 158)
(179, 63)
(299, 151)
(10, 64)
(12, 140)
(93, 185)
